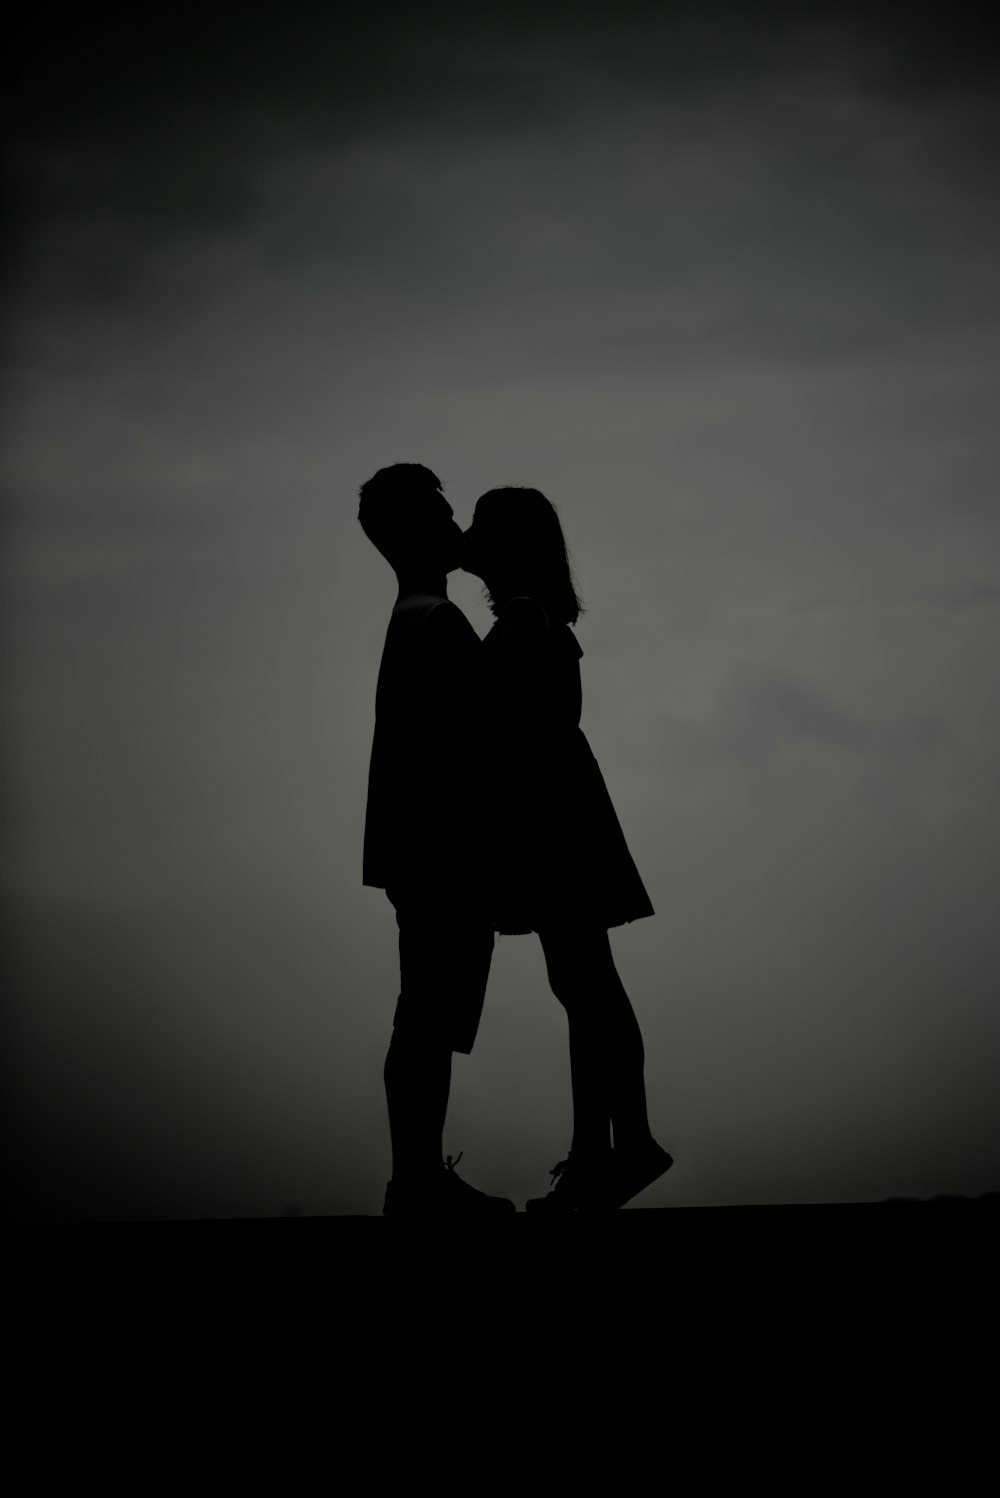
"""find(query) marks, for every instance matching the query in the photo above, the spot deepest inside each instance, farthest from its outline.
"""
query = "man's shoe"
(582, 1184)
(443, 1194)
(633, 1170)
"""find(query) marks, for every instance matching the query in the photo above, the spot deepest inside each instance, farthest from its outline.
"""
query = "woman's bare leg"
(606, 1050)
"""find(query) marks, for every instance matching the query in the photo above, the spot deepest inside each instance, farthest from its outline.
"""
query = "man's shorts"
(445, 950)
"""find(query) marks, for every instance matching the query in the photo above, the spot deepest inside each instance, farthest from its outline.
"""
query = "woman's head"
(516, 545)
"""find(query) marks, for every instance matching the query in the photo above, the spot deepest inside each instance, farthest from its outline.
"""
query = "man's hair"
(386, 511)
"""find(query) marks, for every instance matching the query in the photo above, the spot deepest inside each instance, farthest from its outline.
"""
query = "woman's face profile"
(502, 538)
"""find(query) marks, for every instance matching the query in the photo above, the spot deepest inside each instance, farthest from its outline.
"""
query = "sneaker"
(443, 1194)
(633, 1170)
(581, 1185)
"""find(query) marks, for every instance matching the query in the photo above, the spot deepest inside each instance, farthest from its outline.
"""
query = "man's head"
(405, 515)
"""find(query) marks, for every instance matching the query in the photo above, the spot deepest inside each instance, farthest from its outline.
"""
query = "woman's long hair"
(527, 541)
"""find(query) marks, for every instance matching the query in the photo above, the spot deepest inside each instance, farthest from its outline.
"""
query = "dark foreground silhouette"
(987, 1204)
(486, 813)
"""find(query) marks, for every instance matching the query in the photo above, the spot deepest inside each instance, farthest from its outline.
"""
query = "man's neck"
(434, 584)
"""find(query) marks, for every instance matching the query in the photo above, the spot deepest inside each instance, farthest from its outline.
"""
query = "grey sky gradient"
(726, 290)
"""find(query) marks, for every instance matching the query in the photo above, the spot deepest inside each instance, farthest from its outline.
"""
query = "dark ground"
(810, 1346)
(941, 1249)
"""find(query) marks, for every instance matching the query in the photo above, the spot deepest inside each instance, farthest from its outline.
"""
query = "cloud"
(765, 711)
(162, 118)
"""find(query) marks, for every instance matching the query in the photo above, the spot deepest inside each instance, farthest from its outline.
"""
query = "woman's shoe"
(581, 1185)
(632, 1170)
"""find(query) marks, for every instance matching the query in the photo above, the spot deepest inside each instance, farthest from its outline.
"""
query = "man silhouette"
(421, 831)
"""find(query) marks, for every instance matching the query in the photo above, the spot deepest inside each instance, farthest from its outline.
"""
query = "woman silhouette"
(559, 859)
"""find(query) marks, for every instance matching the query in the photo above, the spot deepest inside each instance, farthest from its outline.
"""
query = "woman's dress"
(557, 849)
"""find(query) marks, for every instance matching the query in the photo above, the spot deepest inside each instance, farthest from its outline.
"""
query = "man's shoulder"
(427, 634)
(414, 611)
(448, 619)
(411, 610)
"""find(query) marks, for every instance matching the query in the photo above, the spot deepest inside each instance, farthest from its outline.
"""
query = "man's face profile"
(407, 518)
(439, 535)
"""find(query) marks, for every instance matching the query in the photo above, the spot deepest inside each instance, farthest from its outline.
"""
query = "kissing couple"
(487, 812)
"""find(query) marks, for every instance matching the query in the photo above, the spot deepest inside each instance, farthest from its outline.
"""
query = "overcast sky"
(726, 290)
